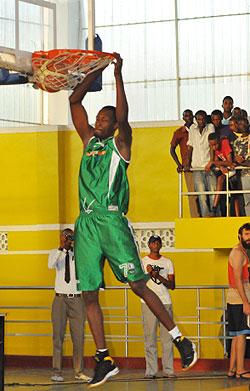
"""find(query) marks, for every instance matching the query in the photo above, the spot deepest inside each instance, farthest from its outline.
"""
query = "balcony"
(216, 232)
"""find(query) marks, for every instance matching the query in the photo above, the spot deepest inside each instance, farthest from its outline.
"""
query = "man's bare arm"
(124, 138)
(175, 158)
(241, 161)
(78, 112)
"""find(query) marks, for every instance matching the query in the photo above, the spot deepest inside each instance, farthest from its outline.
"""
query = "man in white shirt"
(162, 278)
(198, 157)
(67, 304)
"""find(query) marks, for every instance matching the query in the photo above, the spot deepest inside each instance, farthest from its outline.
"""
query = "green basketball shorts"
(99, 236)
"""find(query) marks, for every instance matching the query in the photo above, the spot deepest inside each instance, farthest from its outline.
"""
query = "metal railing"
(126, 319)
(227, 192)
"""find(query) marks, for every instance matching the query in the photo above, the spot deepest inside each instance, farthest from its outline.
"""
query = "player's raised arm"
(124, 138)
(78, 112)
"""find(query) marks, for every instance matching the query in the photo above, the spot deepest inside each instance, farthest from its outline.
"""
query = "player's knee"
(138, 287)
(90, 297)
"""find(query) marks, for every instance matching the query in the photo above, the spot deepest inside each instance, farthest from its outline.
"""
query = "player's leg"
(120, 248)
(89, 270)
(167, 347)
(105, 365)
(185, 347)
(95, 317)
(89, 267)
(153, 302)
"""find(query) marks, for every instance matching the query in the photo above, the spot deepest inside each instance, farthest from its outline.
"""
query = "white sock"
(175, 332)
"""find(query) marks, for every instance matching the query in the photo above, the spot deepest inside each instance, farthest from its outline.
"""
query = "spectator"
(242, 157)
(234, 126)
(243, 125)
(198, 157)
(224, 131)
(67, 304)
(180, 137)
(222, 161)
(244, 114)
(238, 307)
(237, 112)
(162, 279)
(221, 130)
(227, 105)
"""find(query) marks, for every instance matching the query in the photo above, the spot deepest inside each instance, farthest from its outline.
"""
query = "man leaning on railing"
(198, 157)
(180, 138)
(241, 149)
(221, 165)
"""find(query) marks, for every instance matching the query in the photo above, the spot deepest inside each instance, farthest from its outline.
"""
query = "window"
(25, 26)
(177, 54)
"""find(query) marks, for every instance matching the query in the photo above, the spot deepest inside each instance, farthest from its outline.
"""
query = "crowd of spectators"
(212, 147)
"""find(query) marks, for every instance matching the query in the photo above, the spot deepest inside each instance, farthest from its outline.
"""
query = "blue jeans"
(204, 181)
(245, 180)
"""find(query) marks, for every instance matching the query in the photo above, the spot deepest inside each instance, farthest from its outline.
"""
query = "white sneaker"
(57, 378)
(81, 376)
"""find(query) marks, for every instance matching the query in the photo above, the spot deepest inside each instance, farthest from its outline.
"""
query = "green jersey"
(103, 182)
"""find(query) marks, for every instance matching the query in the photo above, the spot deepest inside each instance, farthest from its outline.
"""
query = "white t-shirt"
(225, 121)
(160, 290)
(199, 142)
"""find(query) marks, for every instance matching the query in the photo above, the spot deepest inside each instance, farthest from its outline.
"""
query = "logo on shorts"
(128, 268)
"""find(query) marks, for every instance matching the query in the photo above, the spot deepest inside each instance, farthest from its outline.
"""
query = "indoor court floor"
(39, 379)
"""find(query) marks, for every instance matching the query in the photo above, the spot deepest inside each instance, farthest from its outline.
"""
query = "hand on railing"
(180, 168)
(239, 159)
(208, 166)
(224, 170)
(187, 168)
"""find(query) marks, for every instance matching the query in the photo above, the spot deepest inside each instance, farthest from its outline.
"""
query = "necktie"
(67, 270)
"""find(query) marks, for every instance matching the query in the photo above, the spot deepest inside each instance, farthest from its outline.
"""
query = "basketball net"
(61, 69)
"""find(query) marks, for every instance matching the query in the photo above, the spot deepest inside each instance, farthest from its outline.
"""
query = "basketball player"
(101, 230)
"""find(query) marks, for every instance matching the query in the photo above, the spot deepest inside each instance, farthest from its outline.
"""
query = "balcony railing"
(227, 192)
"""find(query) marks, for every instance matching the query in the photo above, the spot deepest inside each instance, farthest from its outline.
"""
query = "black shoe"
(187, 352)
(104, 369)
